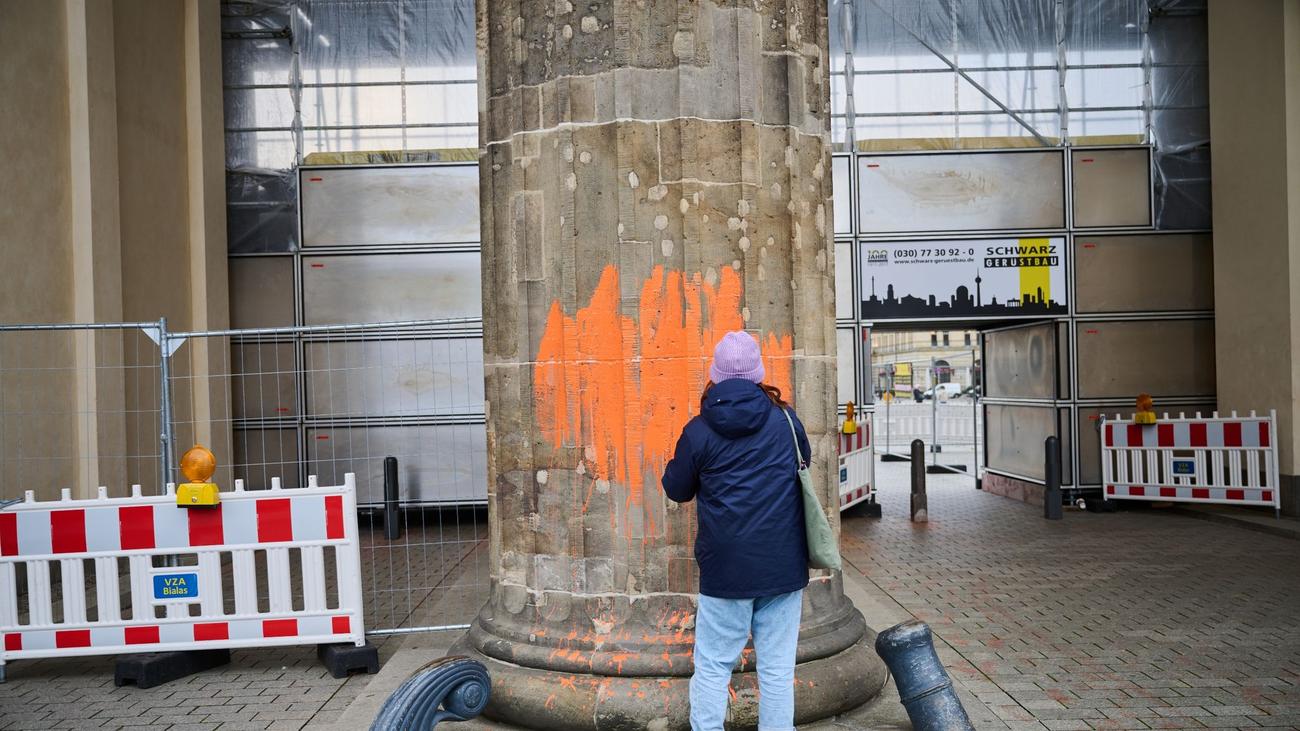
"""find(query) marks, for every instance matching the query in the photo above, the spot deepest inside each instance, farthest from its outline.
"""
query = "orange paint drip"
(623, 389)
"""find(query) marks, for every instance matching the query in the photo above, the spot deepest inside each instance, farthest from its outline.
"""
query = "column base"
(560, 701)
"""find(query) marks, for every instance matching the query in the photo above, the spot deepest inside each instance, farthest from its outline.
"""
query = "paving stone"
(1107, 621)
(1126, 614)
(1228, 722)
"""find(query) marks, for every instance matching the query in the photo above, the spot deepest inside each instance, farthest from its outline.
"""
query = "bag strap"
(798, 452)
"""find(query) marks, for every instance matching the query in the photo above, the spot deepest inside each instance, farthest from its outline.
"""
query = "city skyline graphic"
(960, 303)
(991, 278)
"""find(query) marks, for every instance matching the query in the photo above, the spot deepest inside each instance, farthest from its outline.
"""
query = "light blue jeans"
(722, 627)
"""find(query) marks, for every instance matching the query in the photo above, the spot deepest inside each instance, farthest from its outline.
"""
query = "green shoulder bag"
(823, 548)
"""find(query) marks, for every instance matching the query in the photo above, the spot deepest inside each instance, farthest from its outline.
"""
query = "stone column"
(654, 173)
(1254, 69)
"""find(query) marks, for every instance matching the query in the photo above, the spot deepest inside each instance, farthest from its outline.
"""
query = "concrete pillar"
(112, 209)
(1254, 52)
(653, 175)
(96, 244)
(209, 288)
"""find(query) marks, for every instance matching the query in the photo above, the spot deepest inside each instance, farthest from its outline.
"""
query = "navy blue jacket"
(737, 460)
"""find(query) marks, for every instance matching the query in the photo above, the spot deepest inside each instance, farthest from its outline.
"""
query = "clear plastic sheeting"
(1180, 116)
(306, 77)
(943, 74)
(926, 71)
(337, 77)
(261, 210)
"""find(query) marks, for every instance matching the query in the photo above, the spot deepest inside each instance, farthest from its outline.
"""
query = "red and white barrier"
(948, 422)
(857, 466)
(196, 576)
(1229, 460)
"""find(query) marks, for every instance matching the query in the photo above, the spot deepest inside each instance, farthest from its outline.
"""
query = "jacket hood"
(736, 408)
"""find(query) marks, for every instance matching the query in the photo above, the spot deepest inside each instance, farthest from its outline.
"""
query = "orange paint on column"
(664, 376)
(623, 390)
(549, 386)
(603, 419)
(778, 359)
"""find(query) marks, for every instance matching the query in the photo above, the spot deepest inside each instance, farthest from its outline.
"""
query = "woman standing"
(737, 459)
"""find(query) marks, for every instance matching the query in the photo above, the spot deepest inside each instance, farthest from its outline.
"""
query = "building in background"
(394, 82)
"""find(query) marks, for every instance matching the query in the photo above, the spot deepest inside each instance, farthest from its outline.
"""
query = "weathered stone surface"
(563, 701)
(653, 175)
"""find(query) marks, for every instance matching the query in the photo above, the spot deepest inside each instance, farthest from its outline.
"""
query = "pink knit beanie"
(736, 356)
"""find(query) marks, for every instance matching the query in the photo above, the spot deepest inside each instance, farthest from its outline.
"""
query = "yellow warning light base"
(850, 426)
(197, 494)
(1144, 417)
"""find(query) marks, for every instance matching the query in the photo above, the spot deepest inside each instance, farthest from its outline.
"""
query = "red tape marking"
(1236, 494)
(1110, 489)
(1134, 435)
(1197, 434)
(1137, 490)
(1165, 435)
(68, 531)
(211, 631)
(279, 628)
(72, 638)
(274, 521)
(333, 516)
(1268, 494)
(205, 526)
(141, 635)
(1232, 434)
(1263, 434)
(1200, 493)
(13, 642)
(8, 534)
(135, 527)
(1168, 492)
(341, 625)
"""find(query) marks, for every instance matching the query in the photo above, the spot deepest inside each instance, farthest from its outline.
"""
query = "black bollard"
(920, 511)
(392, 514)
(1052, 491)
(459, 685)
(923, 686)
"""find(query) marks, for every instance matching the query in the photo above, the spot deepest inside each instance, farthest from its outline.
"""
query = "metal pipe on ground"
(923, 687)
(1052, 491)
(447, 689)
(392, 513)
(920, 511)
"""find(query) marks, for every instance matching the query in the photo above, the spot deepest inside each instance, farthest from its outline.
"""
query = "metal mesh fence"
(85, 406)
(80, 407)
(287, 404)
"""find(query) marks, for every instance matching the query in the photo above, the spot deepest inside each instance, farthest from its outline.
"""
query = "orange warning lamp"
(198, 464)
(1146, 413)
(850, 426)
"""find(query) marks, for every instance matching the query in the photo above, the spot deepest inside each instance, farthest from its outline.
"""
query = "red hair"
(772, 392)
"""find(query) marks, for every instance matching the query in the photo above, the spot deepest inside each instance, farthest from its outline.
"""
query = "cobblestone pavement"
(278, 688)
(1131, 620)
(274, 688)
